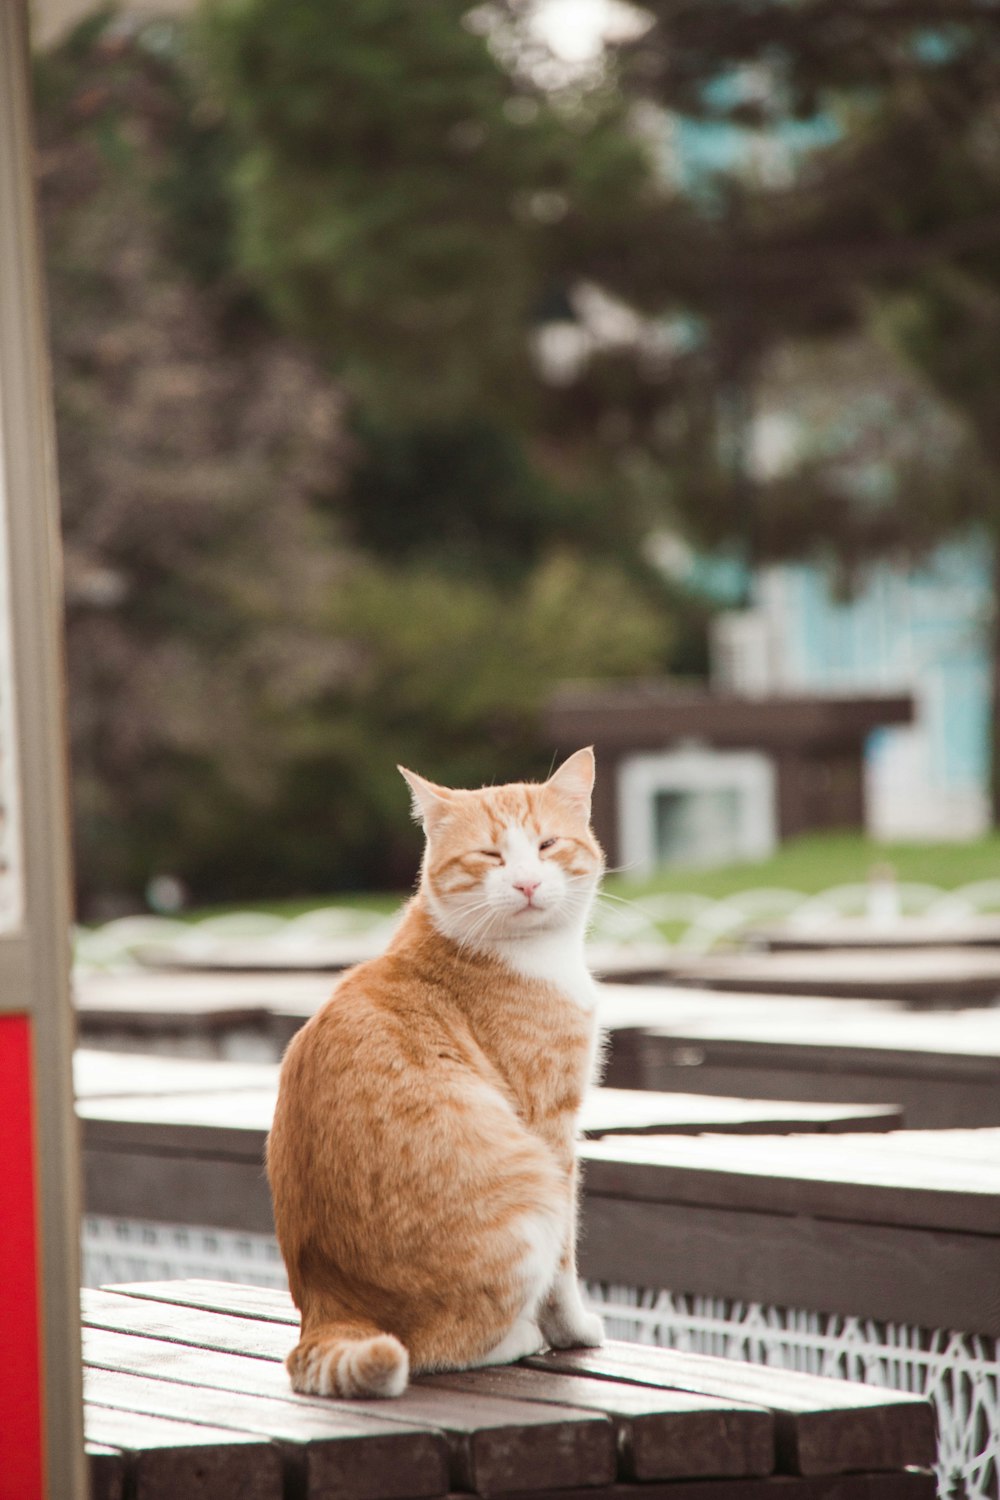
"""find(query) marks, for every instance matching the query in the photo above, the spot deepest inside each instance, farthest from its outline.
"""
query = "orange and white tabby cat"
(422, 1159)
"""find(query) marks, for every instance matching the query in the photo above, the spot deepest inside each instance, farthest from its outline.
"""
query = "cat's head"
(512, 861)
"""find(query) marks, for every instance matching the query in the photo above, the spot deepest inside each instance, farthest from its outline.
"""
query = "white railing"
(688, 923)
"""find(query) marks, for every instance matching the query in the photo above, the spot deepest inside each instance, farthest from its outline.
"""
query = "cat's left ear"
(575, 778)
(430, 802)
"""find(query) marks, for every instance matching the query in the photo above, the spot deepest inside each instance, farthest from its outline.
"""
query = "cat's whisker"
(611, 899)
(481, 927)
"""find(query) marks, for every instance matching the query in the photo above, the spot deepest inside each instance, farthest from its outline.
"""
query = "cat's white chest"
(556, 959)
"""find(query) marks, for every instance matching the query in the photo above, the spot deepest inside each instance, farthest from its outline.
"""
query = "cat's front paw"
(590, 1332)
(584, 1331)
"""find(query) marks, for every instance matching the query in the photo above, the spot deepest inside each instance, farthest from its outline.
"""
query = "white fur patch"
(326, 1384)
(554, 958)
(393, 1381)
(544, 1236)
(351, 1380)
(566, 1320)
(525, 1337)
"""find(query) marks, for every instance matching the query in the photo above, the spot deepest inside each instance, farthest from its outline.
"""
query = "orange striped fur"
(422, 1158)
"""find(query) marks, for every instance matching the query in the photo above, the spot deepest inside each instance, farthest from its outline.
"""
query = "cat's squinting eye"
(546, 844)
(491, 854)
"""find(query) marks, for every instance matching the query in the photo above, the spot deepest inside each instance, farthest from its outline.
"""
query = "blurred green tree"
(270, 602)
(399, 173)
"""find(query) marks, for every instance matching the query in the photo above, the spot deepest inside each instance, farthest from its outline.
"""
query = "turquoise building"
(924, 630)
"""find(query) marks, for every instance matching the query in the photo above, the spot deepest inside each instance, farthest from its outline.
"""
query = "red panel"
(21, 1465)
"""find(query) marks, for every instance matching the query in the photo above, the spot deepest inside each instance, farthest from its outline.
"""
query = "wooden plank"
(150, 1001)
(165, 1459)
(611, 1111)
(850, 1178)
(778, 1073)
(235, 1122)
(500, 1445)
(494, 1444)
(269, 956)
(99, 1074)
(958, 1145)
(188, 1365)
(627, 1006)
(927, 1152)
(105, 1472)
(969, 1040)
(966, 1043)
(813, 1049)
(265, 1303)
(627, 718)
(203, 1154)
(821, 1426)
(212, 1175)
(482, 1450)
(623, 1005)
(930, 976)
(632, 963)
(277, 1306)
(943, 1069)
(911, 1485)
(924, 1277)
(206, 1330)
(331, 1452)
(659, 1435)
(186, 1189)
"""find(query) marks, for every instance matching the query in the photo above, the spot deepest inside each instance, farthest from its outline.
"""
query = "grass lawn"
(815, 862)
(809, 864)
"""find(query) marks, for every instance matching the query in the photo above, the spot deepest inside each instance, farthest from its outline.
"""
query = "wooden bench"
(932, 977)
(942, 1069)
(902, 1227)
(190, 1146)
(232, 1016)
(252, 1017)
(98, 1074)
(874, 1257)
(186, 1395)
(229, 1014)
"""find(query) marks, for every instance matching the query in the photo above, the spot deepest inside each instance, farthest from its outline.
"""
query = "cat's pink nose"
(527, 887)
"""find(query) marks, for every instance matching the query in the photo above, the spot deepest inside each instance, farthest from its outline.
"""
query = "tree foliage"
(273, 594)
(885, 219)
(396, 187)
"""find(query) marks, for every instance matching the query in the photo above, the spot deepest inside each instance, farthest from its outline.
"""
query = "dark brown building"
(816, 743)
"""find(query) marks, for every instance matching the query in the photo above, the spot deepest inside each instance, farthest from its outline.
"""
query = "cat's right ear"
(430, 802)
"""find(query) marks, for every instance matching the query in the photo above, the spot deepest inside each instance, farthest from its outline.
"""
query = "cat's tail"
(349, 1359)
